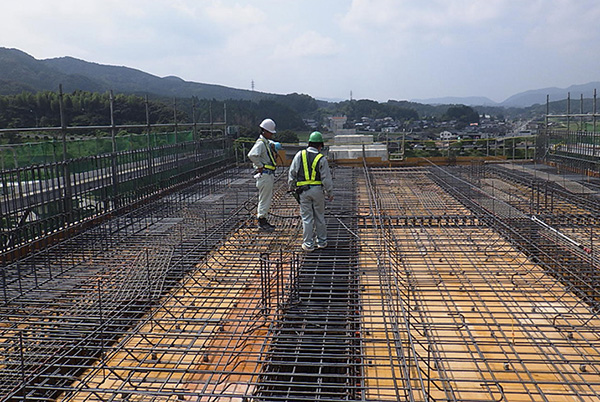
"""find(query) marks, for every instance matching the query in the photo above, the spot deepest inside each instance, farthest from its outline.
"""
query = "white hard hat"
(268, 125)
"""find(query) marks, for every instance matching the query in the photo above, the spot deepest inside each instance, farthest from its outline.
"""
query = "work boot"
(264, 225)
(307, 248)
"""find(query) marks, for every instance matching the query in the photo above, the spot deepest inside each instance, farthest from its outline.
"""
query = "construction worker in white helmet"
(310, 176)
(264, 159)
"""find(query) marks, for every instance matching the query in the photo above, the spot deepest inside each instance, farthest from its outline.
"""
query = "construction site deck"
(477, 282)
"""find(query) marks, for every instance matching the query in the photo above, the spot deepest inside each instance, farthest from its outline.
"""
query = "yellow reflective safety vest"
(309, 175)
(271, 156)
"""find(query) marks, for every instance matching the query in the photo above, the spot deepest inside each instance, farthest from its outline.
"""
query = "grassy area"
(51, 151)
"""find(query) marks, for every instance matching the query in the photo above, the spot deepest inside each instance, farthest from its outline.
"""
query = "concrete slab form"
(437, 285)
(352, 154)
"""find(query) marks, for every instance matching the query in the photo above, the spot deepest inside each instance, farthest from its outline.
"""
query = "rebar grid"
(548, 193)
(428, 291)
(463, 315)
(315, 354)
(226, 314)
(64, 306)
(570, 259)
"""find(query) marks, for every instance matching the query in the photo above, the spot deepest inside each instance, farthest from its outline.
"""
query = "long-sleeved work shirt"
(324, 171)
(261, 155)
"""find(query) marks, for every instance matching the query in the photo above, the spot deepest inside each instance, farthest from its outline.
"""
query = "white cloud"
(380, 48)
(565, 26)
(406, 29)
(237, 16)
(431, 20)
(306, 45)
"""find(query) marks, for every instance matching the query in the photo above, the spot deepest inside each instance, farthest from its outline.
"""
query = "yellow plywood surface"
(448, 311)
(486, 322)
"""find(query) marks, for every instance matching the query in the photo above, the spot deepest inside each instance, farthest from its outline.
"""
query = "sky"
(328, 49)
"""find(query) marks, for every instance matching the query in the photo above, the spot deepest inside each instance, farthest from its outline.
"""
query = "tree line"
(42, 109)
(82, 108)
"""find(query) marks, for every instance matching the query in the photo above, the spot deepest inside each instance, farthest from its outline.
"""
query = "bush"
(286, 136)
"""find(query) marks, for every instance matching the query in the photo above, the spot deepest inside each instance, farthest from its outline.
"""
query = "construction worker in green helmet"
(263, 157)
(310, 177)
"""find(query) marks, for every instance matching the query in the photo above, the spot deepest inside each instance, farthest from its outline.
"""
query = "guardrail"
(40, 203)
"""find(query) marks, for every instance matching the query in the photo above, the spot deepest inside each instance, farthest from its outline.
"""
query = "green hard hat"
(315, 136)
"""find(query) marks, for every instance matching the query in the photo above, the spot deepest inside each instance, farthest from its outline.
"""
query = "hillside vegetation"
(29, 98)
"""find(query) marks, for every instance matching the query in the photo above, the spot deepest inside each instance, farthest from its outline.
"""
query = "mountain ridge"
(452, 100)
(20, 72)
(521, 99)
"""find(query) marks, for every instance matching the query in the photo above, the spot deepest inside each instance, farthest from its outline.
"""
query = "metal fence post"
(67, 202)
(113, 132)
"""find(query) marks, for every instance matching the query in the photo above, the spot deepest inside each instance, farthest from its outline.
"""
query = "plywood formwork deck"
(417, 298)
(474, 318)
(205, 340)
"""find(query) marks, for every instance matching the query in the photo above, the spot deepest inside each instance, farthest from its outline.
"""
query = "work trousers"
(312, 211)
(264, 184)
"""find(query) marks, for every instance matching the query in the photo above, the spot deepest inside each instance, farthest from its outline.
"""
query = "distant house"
(336, 125)
(447, 136)
(311, 123)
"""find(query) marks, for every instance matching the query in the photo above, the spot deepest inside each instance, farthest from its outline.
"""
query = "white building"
(336, 125)
(447, 136)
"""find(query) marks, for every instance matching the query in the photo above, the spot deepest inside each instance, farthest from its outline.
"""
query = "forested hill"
(21, 72)
(30, 79)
